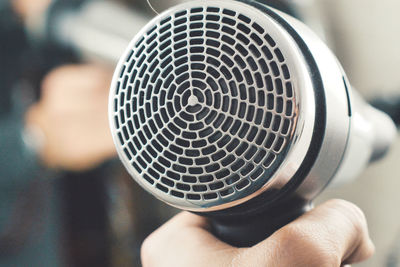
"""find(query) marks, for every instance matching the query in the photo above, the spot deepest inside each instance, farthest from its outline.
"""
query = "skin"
(26, 8)
(72, 114)
(333, 234)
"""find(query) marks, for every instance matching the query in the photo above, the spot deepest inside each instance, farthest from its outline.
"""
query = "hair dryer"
(238, 112)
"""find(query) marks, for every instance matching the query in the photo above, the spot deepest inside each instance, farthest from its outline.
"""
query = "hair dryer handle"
(247, 231)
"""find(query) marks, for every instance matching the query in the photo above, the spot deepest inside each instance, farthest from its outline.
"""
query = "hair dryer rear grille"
(204, 105)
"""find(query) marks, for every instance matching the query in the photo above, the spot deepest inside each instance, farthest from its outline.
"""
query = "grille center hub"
(193, 100)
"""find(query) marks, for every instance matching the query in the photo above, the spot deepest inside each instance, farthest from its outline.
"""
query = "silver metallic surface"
(337, 129)
(146, 107)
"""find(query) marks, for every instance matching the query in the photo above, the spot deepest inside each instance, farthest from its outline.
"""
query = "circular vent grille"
(203, 106)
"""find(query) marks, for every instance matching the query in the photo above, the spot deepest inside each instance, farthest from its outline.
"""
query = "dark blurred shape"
(29, 213)
(282, 5)
(26, 219)
(390, 105)
(27, 206)
(134, 214)
(13, 42)
(393, 259)
(85, 218)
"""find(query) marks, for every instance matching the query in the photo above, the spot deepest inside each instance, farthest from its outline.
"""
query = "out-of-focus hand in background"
(26, 8)
(72, 114)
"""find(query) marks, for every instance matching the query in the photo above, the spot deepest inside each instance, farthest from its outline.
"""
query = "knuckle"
(356, 211)
(300, 247)
(339, 203)
(346, 205)
(291, 233)
(56, 77)
(353, 213)
(291, 240)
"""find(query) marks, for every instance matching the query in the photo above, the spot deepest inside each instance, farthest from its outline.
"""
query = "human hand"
(72, 114)
(29, 8)
(333, 234)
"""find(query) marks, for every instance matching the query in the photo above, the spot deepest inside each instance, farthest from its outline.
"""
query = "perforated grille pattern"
(204, 104)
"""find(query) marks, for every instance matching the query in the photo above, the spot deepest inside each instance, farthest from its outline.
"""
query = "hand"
(72, 114)
(333, 234)
(29, 8)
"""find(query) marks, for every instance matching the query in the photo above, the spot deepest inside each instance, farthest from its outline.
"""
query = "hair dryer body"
(240, 113)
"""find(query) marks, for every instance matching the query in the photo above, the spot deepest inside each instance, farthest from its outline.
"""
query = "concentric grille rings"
(204, 105)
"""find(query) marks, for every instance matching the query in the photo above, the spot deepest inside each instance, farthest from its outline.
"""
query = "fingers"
(185, 241)
(26, 8)
(69, 80)
(331, 234)
(72, 114)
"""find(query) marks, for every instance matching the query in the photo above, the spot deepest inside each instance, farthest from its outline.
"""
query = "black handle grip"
(247, 231)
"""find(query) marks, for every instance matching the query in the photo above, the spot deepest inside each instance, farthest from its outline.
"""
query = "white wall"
(367, 38)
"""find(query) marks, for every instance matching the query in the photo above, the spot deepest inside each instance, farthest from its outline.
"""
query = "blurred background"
(65, 199)
(365, 37)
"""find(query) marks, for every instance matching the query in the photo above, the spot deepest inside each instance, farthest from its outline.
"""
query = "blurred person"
(67, 129)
